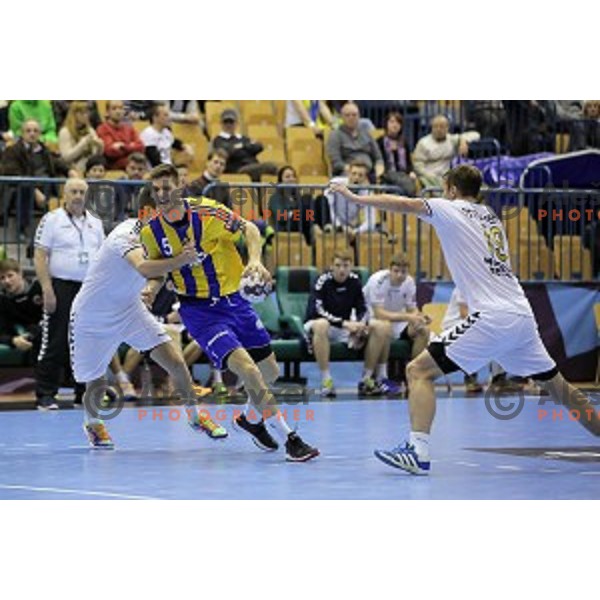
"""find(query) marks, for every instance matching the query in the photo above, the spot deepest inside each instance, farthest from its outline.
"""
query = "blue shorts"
(221, 327)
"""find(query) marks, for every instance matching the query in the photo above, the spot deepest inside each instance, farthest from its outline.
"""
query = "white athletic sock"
(217, 377)
(367, 373)
(382, 371)
(122, 377)
(325, 374)
(278, 423)
(420, 441)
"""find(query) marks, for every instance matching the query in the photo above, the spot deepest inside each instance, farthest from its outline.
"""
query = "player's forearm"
(253, 242)
(395, 317)
(390, 202)
(152, 269)
(40, 262)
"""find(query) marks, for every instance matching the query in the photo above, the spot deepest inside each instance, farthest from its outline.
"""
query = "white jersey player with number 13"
(500, 325)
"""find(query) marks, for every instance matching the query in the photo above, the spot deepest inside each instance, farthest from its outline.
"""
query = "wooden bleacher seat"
(377, 133)
(326, 244)
(307, 164)
(291, 250)
(271, 154)
(436, 311)
(263, 132)
(267, 178)
(561, 143)
(374, 251)
(114, 175)
(312, 147)
(571, 259)
(139, 126)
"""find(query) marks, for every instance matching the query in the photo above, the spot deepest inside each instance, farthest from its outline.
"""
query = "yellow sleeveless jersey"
(214, 229)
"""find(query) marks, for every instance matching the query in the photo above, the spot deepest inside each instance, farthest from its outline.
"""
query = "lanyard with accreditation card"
(83, 255)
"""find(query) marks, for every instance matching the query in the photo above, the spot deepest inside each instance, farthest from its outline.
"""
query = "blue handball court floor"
(475, 456)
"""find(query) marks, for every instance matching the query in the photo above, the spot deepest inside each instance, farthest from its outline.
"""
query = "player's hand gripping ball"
(254, 289)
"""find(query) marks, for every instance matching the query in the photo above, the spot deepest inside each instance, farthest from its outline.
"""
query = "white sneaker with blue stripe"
(404, 457)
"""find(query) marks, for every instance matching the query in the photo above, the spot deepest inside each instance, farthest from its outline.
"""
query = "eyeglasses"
(228, 120)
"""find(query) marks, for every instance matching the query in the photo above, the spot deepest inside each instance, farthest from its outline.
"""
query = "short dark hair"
(360, 163)
(218, 152)
(136, 157)
(153, 110)
(10, 264)
(146, 199)
(95, 161)
(164, 170)
(466, 178)
(399, 260)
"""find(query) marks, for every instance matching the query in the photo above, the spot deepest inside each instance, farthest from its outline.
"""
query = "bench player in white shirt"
(109, 310)
(501, 325)
(391, 296)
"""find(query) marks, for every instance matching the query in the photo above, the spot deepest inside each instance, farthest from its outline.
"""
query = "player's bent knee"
(416, 370)
(320, 327)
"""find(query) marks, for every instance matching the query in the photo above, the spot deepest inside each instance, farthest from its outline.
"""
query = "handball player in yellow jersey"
(211, 307)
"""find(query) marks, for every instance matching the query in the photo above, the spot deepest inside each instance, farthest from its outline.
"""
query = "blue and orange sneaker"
(404, 457)
(98, 436)
(389, 387)
(203, 423)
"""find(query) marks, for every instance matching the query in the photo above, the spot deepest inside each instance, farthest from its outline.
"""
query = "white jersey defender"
(108, 310)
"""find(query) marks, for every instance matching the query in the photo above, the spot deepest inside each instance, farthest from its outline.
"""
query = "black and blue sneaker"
(404, 457)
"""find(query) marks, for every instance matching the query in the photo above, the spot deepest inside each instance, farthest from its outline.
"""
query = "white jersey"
(111, 282)
(476, 251)
(452, 316)
(394, 298)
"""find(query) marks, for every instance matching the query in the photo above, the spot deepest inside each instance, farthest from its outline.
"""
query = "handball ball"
(254, 289)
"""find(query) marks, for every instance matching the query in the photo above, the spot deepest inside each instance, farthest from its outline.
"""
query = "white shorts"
(512, 340)
(336, 334)
(95, 337)
(398, 328)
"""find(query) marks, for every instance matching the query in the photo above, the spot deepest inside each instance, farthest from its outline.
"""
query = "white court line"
(35, 445)
(550, 470)
(508, 467)
(466, 464)
(590, 473)
(74, 491)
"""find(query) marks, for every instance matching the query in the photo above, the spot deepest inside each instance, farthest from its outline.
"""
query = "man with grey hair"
(66, 240)
(434, 153)
(353, 141)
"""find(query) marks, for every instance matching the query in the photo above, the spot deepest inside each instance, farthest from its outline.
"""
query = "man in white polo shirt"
(66, 240)
(391, 296)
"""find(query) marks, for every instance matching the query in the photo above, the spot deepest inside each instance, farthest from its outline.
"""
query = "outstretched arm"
(383, 201)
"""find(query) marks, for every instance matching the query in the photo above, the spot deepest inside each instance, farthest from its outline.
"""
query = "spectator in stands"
(20, 308)
(6, 135)
(241, 151)
(120, 138)
(352, 141)
(21, 111)
(293, 211)
(95, 167)
(586, 133)
(488, 118)
(158, 137)
(29, 157)
(391, 296)
(336, 295)
(434, 152)
(348, 217)
(61, 108)
(314, 114)
(135, 170)
(396, 156)
(184, 111)
(77, 139)
(66, 240)
(215, 167)
(528, 126)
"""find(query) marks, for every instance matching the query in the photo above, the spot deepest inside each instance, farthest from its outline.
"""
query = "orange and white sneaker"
(201, 391)
(98, 435)
(205, 424)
